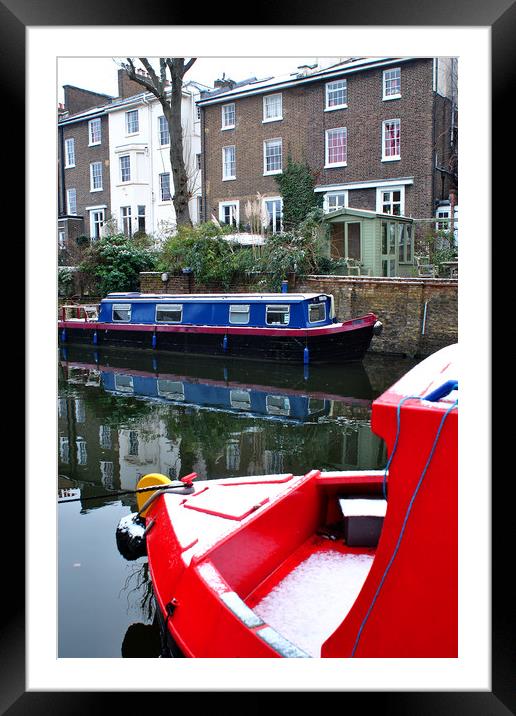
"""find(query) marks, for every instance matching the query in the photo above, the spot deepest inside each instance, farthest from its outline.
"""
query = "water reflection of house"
(142, 452)
(357, 447)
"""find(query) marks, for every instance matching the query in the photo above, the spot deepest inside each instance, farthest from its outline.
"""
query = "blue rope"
(409, 508)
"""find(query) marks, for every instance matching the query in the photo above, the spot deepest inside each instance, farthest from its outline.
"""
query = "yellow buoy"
(154, 478)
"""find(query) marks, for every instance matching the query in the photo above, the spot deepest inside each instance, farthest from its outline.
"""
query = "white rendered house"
(139, 157)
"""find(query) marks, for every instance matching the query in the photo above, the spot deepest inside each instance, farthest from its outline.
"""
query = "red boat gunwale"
(211, 567)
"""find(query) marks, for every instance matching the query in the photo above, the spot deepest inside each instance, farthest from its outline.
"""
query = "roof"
(364, 213)
(294, 79)
(216, 297)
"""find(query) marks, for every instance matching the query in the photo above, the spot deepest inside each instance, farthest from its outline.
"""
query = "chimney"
(224, 83)
(128, 87)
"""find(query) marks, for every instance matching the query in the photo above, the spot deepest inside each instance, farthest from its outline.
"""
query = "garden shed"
(373, 244)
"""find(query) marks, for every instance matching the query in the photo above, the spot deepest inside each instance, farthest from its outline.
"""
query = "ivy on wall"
(296, 185)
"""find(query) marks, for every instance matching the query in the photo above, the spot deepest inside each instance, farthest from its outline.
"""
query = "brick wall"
(77, 99)
(302, 131)
(398, 303)
(400, 306)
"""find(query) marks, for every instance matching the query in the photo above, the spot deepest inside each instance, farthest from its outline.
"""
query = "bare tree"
(169, 94)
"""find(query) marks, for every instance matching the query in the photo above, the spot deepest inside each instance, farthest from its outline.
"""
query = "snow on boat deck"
(310, 602)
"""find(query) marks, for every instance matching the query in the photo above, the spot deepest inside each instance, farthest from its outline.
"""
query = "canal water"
(125, 413)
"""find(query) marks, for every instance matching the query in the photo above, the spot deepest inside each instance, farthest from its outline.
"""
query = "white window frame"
(141, 214)
(96, 122)
(277, 306)
(328, 194)
(268, 172)
(443, 212)
(379, 198)
(163, 120)
(92, 177)
(384, 83)
(61, 241)
(70, 142)
(122, 180)
(276, 118)
(312, 305)
(176, 389)
(327, 163)
(226, 164)
(120, 307)
(393, 157)
(170, 307)
(222, 206)
(223, 125)
(241, 309)
(71, 192)
(129, 217)
(161, 197)
(93, 222)
(327, 106)
(132, 112)
(274, 217)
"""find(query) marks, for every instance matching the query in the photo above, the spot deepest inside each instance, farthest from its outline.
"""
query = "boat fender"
(153, 478)
(377, 328)
(306, 355)
(154, 340)
(95, 338)
(130, 537)
(63, 335)
(225, 343)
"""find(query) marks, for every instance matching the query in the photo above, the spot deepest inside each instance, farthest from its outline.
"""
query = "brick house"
(83, 165)
(378, 134)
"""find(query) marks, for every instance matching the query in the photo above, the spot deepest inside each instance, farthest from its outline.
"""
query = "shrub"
(296, 185)
(116, 262)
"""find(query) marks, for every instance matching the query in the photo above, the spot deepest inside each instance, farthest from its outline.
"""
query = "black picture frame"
(15, 16)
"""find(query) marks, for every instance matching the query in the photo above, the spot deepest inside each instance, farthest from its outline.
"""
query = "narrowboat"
(284, 327)
(325, 564)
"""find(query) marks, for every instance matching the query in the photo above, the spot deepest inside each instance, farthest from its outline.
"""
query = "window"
(164, 187)
(228, 212)
(71, 201)
(171, 389)
(272, 156)
(96, 223)
(105, 437)
(131, 122)
(107, 470)
(141, 218)
(228, 163)
(443, 212)
(390, 140)
(316, 312)
(274, 209)
(228, 116)
(164, 134)
(96, 176)
(277, 315)
(80, 413)
(124, 383)
(240, 399)
(127, 228)
(198, 161)
(69, 153)
(125, 168)
(335, 200)
(336, 147)
(121, 312)
(391, 201)
(64, 450)
(61, 239)
(392, 83)
(169, 313)
(134, 446)
(94, 131)
(272, 107)
(239, 314)
(404, 243)
(336, 95)
(277, 405)
(82, 455)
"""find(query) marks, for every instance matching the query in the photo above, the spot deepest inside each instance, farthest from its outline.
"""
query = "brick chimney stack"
(128, 87)
(224, 83)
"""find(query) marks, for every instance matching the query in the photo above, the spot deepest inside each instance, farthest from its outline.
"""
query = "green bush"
(116, 262)
(203, 249)
(65, 282)
(296, 185)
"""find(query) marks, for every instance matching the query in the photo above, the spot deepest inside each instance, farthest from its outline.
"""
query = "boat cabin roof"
(213, 297)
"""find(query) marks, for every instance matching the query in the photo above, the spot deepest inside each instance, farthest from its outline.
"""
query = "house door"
(388, 248)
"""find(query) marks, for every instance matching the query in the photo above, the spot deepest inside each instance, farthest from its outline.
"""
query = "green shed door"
(354, 251)
(337, 241)
(388, 248)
